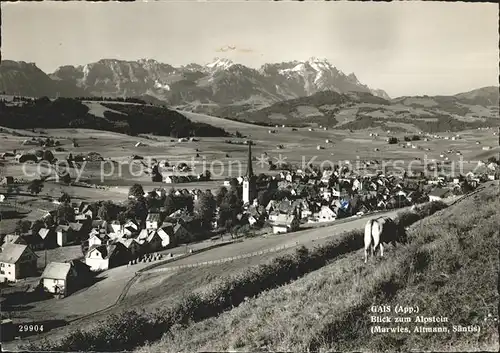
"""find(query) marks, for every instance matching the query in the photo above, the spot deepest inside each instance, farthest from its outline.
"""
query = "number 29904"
(25, 328)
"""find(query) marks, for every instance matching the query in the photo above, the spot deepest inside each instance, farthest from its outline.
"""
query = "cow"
(380, 230)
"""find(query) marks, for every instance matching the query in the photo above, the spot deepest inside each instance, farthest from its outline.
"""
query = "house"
(438, 194)
(7, 180)
(63, 278)
(143, 236)
(255, 215)
(154, 242)
(362, 210)
(327, 194)
(130, 227)
(63, 233)
(165, 233)
(285, 223)
(103, 257)
(154, 220)
(17, 261)
(14, 239)
(168, 179)
(46, 238)
(133, 247)
(326, 214)
(26, 157)
(31, 142)
(227, 182)
(97, 239)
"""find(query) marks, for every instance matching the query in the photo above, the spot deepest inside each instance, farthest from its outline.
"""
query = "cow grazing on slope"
(380, 230)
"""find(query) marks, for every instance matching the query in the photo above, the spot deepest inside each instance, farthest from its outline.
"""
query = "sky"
(405, 48)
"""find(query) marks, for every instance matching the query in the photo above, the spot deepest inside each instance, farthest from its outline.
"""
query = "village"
(145, 226)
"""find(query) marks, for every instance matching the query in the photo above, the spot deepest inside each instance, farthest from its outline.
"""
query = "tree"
(263, 197)
(66, 178)
(65, 213)
(85, 247)
(170, 204)
(22, 226)
(230, 207)
(65, 198)
(47, 156)
(152, 200)
(234, 183)
(137, 209)
(392, 140)
(136, 191)
(205, 209)
(493, 159)
(35, 186)
(103, 212)
(37, 225)
(221, 194)
(122, 217)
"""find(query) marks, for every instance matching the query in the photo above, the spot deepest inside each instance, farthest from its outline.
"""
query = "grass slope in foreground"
(449, 268)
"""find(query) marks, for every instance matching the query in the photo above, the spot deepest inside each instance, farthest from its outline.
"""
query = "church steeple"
(249, 172)
(249, 187)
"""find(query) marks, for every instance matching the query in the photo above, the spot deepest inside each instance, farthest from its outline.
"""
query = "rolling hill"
(360, 110)
(129, 118)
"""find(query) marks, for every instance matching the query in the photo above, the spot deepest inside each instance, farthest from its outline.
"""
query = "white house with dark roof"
(62, 233)
(326, 214)
(153, 220)
(285, 223)
(17, 261)
(438, 194)
(63, 278)
(96, 239)
(103, 257)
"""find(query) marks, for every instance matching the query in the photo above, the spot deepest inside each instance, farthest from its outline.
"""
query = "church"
(249, 180)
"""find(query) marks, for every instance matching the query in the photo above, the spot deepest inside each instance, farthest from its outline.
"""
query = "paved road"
(308, 238)
(302, 237)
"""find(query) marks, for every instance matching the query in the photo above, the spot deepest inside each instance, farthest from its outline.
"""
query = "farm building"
(133, 247)
(31, 142)
(103, 257)
(7, 180)
(17, 261)
(63, 278)
(26, 157)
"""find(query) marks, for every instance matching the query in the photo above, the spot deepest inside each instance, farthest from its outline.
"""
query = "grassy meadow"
(448, 268)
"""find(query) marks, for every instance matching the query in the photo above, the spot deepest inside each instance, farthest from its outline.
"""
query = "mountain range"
(191, 87)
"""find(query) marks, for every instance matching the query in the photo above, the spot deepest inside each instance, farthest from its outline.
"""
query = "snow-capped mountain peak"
(220, 64)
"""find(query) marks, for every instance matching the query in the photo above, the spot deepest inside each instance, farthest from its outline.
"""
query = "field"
(223, 159)
(448, 269)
